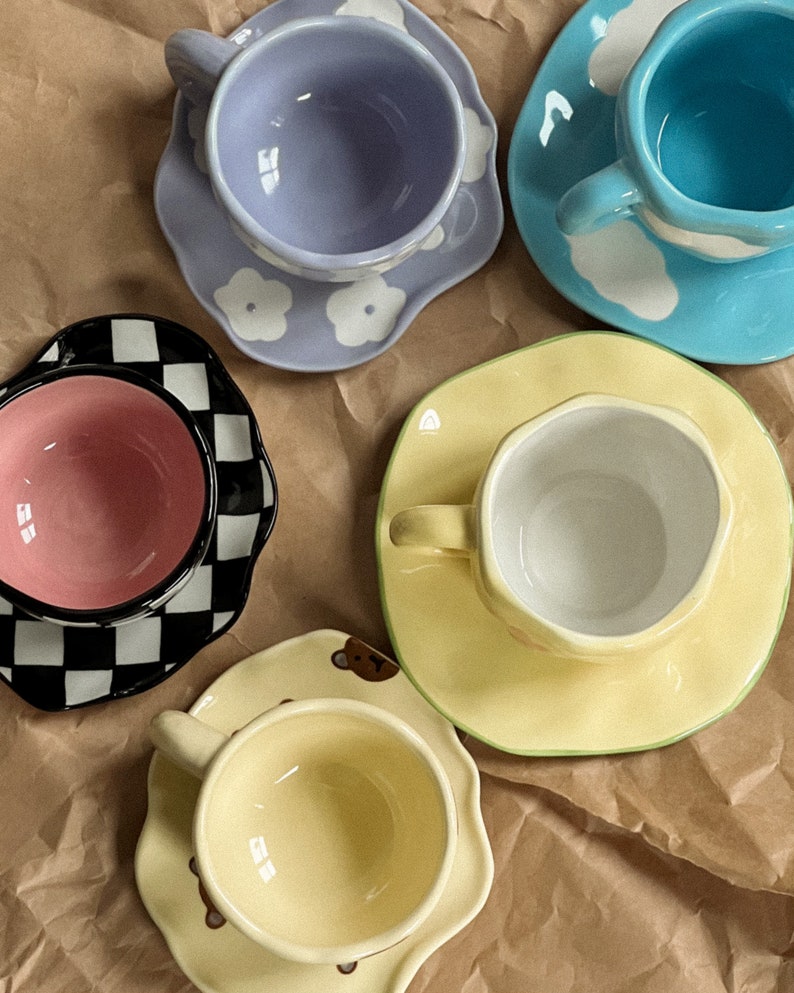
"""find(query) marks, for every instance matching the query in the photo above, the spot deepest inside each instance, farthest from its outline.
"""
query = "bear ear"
(339, 659)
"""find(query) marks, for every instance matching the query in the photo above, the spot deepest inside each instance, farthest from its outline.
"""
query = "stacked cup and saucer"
(312, 823)
(141, 496)
(650, 173)
(331, 169)
(585, 546)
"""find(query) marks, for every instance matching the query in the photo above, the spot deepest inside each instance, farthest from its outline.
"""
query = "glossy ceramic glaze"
(54, 668)
(336, 144)
(216, 956)
(463, 659)
(299, 324)
(705, 120)
(624, 274)
(595, 530)
(114, 489)
(324, 830)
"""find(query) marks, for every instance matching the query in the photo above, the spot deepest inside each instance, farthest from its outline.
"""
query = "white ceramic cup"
(595, 529)
(335, 144)
(324, 830)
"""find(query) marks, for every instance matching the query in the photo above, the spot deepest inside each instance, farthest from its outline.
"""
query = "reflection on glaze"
(626, 267)
(429, 422)
(556, 107)
(460, 221)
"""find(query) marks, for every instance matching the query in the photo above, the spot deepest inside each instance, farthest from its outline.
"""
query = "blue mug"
(704, 127)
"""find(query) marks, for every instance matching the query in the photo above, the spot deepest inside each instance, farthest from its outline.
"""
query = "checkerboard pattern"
(58, 668)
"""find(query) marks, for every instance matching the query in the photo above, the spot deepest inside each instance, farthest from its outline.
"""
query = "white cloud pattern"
(625, 36)
(625, 267)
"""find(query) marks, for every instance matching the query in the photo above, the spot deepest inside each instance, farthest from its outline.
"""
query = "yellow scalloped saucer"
(461, 657)
(211, 953)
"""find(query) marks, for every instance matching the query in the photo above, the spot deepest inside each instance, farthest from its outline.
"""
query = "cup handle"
(447, 526)
(195, 59)
(188, 742)
(598, 200)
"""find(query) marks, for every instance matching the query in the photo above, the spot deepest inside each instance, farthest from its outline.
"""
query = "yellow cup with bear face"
(324, 830)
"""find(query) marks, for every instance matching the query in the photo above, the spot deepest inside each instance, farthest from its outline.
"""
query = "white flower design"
(256, 308)
(433, 240)
(388, 11)
(479, 138)
(364, 311)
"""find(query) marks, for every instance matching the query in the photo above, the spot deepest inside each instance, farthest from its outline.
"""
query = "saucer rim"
(382, 541)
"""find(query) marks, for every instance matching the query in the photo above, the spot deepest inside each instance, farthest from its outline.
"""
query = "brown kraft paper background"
(670, 870)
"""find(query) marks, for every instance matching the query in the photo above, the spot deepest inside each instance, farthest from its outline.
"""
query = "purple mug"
(334, 144)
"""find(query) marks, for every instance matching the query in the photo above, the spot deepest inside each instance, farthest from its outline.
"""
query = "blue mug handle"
(598, 200)
(196, 59)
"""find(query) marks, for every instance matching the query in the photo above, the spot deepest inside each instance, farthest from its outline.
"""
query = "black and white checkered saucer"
(59, 668)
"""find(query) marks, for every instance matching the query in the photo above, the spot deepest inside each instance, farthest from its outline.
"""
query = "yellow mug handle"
(450, 527)
(186, 741)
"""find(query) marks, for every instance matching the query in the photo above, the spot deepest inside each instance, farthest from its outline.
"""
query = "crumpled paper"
(666, 870)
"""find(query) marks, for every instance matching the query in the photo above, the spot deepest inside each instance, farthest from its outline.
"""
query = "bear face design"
(213, 918)
(364, 661)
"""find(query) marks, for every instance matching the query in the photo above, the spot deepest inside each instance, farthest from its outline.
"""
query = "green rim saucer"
(520, 700)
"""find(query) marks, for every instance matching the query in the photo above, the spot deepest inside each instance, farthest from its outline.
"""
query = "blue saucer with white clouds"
(293, 323)
(58, 668)
(733, 313)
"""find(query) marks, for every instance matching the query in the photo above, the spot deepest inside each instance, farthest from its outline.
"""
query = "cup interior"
(719, 112)
(324, 834)
(603, 519)
(105, 487)
(336, 137)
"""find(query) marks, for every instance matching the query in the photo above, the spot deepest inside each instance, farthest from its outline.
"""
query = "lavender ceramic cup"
(334, 144)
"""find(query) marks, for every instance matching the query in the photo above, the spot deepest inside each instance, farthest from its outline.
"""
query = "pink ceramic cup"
(109, 495)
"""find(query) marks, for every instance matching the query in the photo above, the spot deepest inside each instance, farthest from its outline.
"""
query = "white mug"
(595, 529)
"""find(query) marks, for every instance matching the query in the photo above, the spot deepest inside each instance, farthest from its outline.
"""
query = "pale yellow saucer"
(461, 657)
(219, 959)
